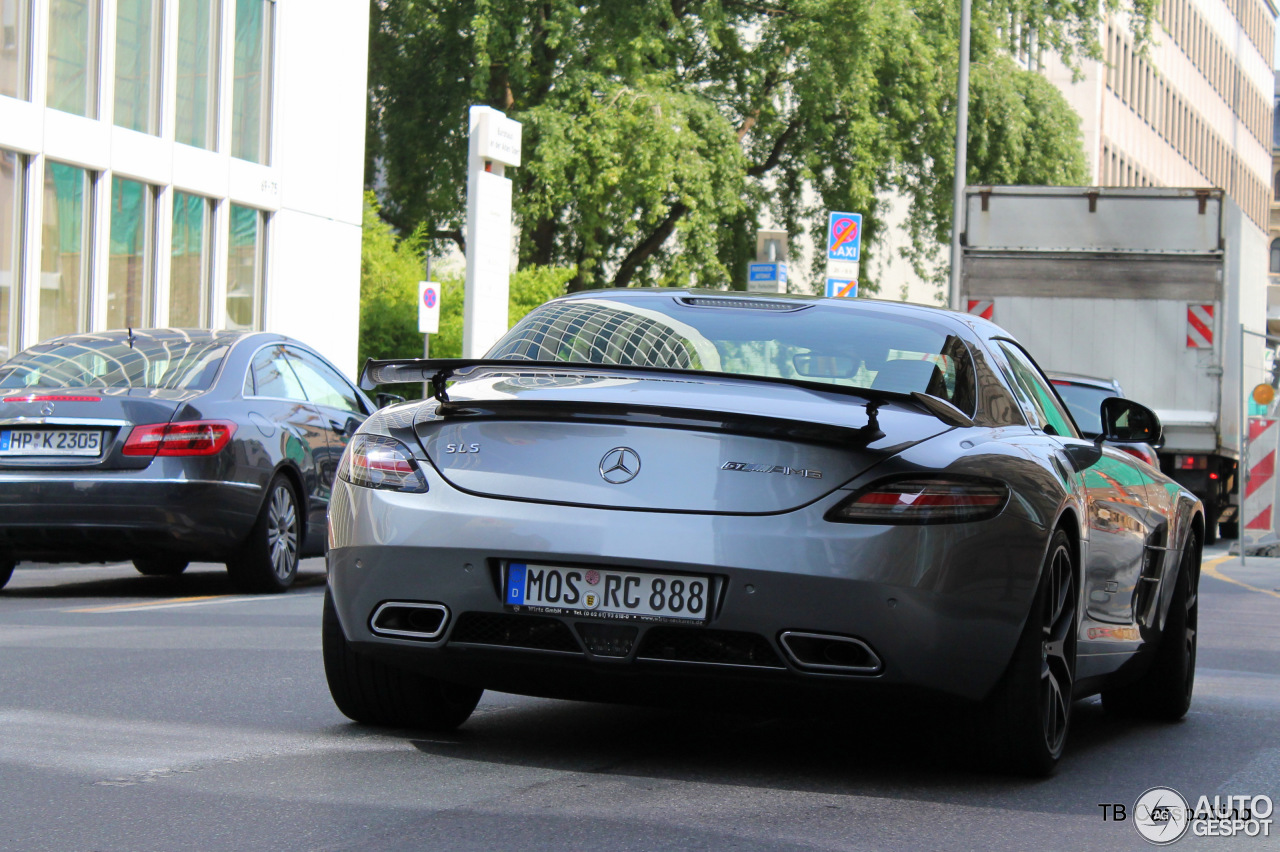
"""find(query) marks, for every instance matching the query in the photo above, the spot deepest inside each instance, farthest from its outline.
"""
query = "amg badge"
(772, 468)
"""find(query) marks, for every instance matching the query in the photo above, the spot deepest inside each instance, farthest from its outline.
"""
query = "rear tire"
(268, 560)
(1164, 692)
(6, 570)
(373, 693)
(161, 566)
(1027, 717)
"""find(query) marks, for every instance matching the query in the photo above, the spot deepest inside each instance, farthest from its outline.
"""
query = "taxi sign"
(844, 236)
(428, 307)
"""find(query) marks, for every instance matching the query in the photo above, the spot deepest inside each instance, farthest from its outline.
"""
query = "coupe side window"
(322, 384)
(1053, 419)
(273, 377)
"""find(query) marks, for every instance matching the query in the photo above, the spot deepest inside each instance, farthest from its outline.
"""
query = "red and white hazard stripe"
(1259, 493)
(1199, 326)
(985, 308)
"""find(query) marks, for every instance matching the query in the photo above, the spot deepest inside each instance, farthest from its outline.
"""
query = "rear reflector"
(923, 501)
(191, 438)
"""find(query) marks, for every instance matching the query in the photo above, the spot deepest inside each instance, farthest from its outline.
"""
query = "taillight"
(1191, 462)
(923, 501)
(375, 461)
(190, 438)
(1141, 454)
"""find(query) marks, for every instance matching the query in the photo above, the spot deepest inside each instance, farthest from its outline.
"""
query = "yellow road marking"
(1211, 568)
(145, 604)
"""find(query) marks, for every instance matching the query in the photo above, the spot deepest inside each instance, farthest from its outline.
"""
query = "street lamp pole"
(962, 140)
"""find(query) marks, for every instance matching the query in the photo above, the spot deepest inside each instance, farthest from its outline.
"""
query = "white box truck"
(1145, 286)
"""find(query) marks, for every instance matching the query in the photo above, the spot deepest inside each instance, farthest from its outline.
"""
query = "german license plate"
(50, 442)
(607, 592)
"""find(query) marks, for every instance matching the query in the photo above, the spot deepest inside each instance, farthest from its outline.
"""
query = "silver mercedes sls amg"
(690, 496)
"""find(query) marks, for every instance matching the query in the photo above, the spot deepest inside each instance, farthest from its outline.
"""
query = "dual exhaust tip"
(817, 652)
(829, 653)
(409, 620)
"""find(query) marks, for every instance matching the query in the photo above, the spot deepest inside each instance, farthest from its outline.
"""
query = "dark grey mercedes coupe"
(166, 446)
(667, 496)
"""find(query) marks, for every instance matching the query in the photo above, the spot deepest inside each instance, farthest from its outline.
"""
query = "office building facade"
(191, 163)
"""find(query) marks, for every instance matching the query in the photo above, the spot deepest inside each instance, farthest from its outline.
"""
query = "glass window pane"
(15, 48)
(246, 253)
(129, 263)
(323, 385)
(73, 56)
(137, 64)
(11, 215)
(64, 251)
(273, 376)
(197, 82)
(189, 261)
(251, 96)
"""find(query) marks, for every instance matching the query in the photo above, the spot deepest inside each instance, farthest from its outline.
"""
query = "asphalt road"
(144, 713)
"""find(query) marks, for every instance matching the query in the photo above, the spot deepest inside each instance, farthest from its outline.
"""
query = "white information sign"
(428, 307)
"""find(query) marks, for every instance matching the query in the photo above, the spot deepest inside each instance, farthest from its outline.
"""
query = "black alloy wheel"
(1023, 724)
(1164, 692)
(1057, 648)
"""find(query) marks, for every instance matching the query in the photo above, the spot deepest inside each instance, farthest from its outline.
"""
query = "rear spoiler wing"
(438, 372)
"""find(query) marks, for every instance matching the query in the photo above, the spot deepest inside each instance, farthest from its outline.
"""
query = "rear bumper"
(109, 515)
(942, 607)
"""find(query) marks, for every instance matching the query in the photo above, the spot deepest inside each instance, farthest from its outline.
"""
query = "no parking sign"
(428, 307)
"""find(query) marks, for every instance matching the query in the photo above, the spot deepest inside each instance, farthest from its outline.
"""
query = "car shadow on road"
(205, 579)
(873, 751)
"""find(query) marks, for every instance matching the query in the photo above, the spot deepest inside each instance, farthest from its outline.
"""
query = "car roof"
(1078, 379)
(971, 325)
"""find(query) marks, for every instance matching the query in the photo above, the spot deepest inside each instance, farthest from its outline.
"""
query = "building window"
(1277, 187)
(129, 265)
(190, 261)
(138, 28)
(15, 48)
(251, 94)
(1275, 256)
(246, 267)
(197, 82)
(12, 181)
(73, 56)
(65, 250)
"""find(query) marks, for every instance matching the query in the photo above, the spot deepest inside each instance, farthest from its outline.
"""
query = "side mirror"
(1125, 421)
(382, 400)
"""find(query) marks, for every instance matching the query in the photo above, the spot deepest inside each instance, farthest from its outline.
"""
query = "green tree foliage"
(390, 269)
(657, 133)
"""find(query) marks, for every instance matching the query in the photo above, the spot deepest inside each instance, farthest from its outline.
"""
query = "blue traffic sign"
(842, 288)
(766, 272)
(844, 236)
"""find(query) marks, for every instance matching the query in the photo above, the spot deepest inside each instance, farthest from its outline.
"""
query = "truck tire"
(1230, 529)
(1210, 525)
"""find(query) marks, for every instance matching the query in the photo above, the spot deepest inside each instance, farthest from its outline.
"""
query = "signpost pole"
(962, 144)
(426, 338)
(494, 144)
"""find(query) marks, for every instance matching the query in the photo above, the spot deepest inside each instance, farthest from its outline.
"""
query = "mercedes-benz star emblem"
(619, 465)
(46, 409)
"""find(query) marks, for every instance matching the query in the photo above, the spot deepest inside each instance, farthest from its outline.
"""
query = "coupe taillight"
(1147, 457)
(190, 438)
(923, 500)
(375, 461)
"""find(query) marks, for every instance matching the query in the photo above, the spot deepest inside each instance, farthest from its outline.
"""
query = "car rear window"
(91, 361)
(1085, 404)
(803, 342)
